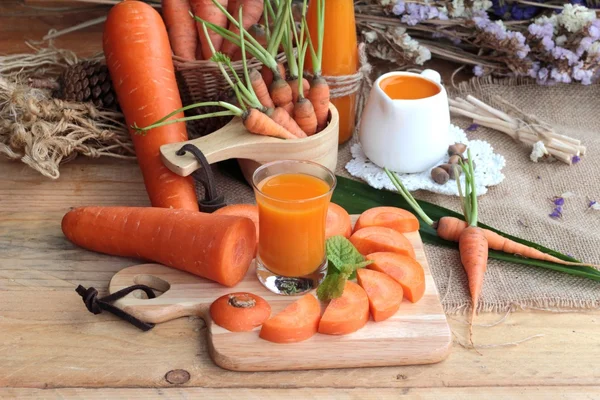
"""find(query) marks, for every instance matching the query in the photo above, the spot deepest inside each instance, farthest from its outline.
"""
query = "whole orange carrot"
(181, 28)
(208, 11)
(138, 56)
(283, 118)
(260, 89)
(253, 10)
(216, 247)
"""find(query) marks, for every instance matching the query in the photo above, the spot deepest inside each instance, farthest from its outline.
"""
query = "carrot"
(319, 97)
(450, 228)
(391, 217)
(472, 244)
(305, 117)
(180, 27)
(404, 270)
(384, 293)
(281, 93)
(259, 123)
(240, 312)
(232, 6)
(253, 10)
(379, 238)
(346, 314)
(138, 56)
(260, 89)
(208, 11)
(297, 322)
(338, 222)
(294, 86)
(283, 118)
(216, 247)
(289, 108)
(249, 211)
(267, 73)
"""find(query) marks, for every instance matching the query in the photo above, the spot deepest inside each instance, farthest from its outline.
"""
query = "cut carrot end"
(384, 293)
(249, 211)
(404, 270)
(346, 314)
(240, 312)
(297, 322)
(381, 239)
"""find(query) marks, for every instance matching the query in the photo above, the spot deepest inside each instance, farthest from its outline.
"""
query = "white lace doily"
(487, 169)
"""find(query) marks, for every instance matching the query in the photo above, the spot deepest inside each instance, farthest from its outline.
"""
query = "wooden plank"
(496, 393)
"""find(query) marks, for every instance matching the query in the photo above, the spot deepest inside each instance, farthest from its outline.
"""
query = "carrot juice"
(292, 198)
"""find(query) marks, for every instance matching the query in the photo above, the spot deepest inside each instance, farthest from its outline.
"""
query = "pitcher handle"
(433, 75)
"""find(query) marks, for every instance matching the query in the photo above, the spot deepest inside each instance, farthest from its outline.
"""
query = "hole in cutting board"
(160, 286)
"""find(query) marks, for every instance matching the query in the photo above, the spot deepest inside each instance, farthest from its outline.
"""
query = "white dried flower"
(481, 5)
(419, 53)
(568, 195)
(386, 2)
(458, 9)
(575, 17)
(544, 19)
(561, 40)
(369, 36)
(538, 151)
(500, 23)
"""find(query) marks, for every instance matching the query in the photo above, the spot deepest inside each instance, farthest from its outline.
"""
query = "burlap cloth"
(520, 205)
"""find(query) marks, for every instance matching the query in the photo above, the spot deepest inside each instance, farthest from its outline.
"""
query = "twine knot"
(90, 299)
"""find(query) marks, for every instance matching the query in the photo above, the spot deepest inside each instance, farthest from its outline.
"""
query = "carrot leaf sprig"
(469, 196)
(302, 44)
(343, 261)
(408, 197)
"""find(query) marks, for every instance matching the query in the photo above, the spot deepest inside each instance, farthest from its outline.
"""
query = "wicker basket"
(201, 80)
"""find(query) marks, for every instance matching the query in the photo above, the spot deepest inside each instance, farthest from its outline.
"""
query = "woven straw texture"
(520, 205)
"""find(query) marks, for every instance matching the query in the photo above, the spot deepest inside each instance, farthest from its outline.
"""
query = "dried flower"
(558, 201)
(472, 127)
(593, 205)
(555, 214)
(575, 159)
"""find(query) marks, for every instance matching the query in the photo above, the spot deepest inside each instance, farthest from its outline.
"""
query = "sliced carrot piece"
(384, 293)
(405, 270)
(378, 238)
(338, 222)
(297, 322)
(391, 217)
(346, 314)
(240, 312)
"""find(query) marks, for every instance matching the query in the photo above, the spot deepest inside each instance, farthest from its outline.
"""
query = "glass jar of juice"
(340, 53)
(292, 198)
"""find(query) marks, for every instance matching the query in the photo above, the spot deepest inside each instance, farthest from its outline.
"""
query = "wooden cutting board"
(417, 334)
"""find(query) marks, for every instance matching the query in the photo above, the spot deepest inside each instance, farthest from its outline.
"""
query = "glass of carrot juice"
(292, 197)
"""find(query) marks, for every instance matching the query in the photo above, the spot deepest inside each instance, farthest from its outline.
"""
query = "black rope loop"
(212, 200)
(96, 305)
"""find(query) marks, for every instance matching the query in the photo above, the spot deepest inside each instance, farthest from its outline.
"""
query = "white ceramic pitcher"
(406, 136)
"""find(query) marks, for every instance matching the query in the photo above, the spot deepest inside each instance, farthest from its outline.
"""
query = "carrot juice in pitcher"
(292, 198)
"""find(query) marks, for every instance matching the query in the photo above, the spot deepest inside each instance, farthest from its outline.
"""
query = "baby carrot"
(181, 28)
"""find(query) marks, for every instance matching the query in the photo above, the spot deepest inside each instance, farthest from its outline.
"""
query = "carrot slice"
(384, 293)
(378, 238)
(240, 312)
(297, 322)
(338, 222)
(347, 313)
(391, 217)
(405, 270)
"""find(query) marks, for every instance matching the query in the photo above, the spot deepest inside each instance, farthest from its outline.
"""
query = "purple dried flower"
(575, 159)
(472, 127)
(555, 214)
(591, 203)
(560, 53)
(558, 209)
(548, 43)
(558, 201)
(542, 76)
(399, 8)
(560, 76)
(478, 70)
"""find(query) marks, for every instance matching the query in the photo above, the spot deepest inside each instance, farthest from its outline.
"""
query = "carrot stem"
(408, 197)
(177, 120)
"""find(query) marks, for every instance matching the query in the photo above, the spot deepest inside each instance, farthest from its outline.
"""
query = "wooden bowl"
(233, 141)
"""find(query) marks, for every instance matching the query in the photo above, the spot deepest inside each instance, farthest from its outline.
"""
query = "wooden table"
(52, 347)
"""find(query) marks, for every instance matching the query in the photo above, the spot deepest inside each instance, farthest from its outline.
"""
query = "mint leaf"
(354, 267)
(331, 287)
(341, 251)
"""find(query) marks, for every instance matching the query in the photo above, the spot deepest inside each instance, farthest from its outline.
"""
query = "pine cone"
(203, 127)
(87, 81)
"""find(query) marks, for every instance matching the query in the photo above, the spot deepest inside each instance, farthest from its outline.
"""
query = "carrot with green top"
(207, 10)
(319, 89)
(450, 228)
(181, 28)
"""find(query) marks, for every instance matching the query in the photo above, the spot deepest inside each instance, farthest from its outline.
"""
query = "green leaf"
(350, 269)
(340, 251)
(357, 197)
(331, 287)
